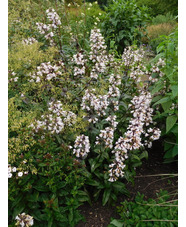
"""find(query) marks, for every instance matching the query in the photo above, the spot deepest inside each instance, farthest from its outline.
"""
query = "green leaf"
(93, 182)
(94, 165)
(120, 187)
(163, 100)
(106, 196)
(117, 223)
(157, 88)
(96, 194)
(18, 210)
(41, 188)
(144, 155)
(173, 152)
(135, 157)
(174, 89)
(156, 98)
(170, 122)
(175, 129)
(34, 197)
(166, 105)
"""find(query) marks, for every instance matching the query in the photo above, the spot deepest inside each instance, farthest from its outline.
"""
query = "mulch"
(147, 182)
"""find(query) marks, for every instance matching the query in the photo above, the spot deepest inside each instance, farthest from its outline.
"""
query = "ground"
(145, 182)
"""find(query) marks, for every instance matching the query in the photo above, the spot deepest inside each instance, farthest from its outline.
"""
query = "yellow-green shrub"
(26, 57)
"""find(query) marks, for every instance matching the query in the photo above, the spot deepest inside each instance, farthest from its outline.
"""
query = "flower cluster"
(130, 56)
(12, 75)
(155, 70)
(12, 170)
(43, 28)
(46, 71)
(115, 79)
(91, 102)
(53, 17)
(56, 120)
(46, 29)
(79, 60)
(29, 41)
(24, 220)
(132, 60)
(112, 121)
(81, 146)
(99, 104)
(151, 135)
(107, 136)
(142, 117)
(98, 54)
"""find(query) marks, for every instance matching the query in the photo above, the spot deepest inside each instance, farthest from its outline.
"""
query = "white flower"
(81, 146)
(20, 174)
(24, 220)
(15, 79)
(9, 175)
(14, 169)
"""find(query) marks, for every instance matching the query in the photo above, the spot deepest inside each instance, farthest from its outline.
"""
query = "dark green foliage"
(159, 212)
(157, 7)
(167, 100)
(124, 23)
(53, 195)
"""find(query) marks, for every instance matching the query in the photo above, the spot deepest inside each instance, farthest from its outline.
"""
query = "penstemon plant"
(80, 120)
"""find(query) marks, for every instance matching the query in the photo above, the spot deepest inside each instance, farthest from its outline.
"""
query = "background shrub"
(157, 7)
(166, 92)
(155, 32)
(124, 23)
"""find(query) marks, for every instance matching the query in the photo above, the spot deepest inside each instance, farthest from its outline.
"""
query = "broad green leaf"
(163, 100)
(106, 196)
(144, 155)
(173, 152)
(120, 187)
(117, 223)
(174, 89)
(175, 129)
(166, 105)
(170, 122)
(156, 98)
(157, 88)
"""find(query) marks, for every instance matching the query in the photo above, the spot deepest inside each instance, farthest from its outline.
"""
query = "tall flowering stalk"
(49, 29)
(142, 118)
(98, 54)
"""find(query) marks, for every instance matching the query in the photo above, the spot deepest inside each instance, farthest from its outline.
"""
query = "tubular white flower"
(142, 117)
(107, 136)
(47, 71)
(98, 53)
(24, 220)
(56, 120)
(81, 146)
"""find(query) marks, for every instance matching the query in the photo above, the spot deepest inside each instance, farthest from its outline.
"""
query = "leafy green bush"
(157, 7)
(159, 212)
(124, 23)
(47, 180)
(160, 19)
(166, 95)
(155, 33)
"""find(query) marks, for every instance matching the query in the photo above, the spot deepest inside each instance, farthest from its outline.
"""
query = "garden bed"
(147, 182)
